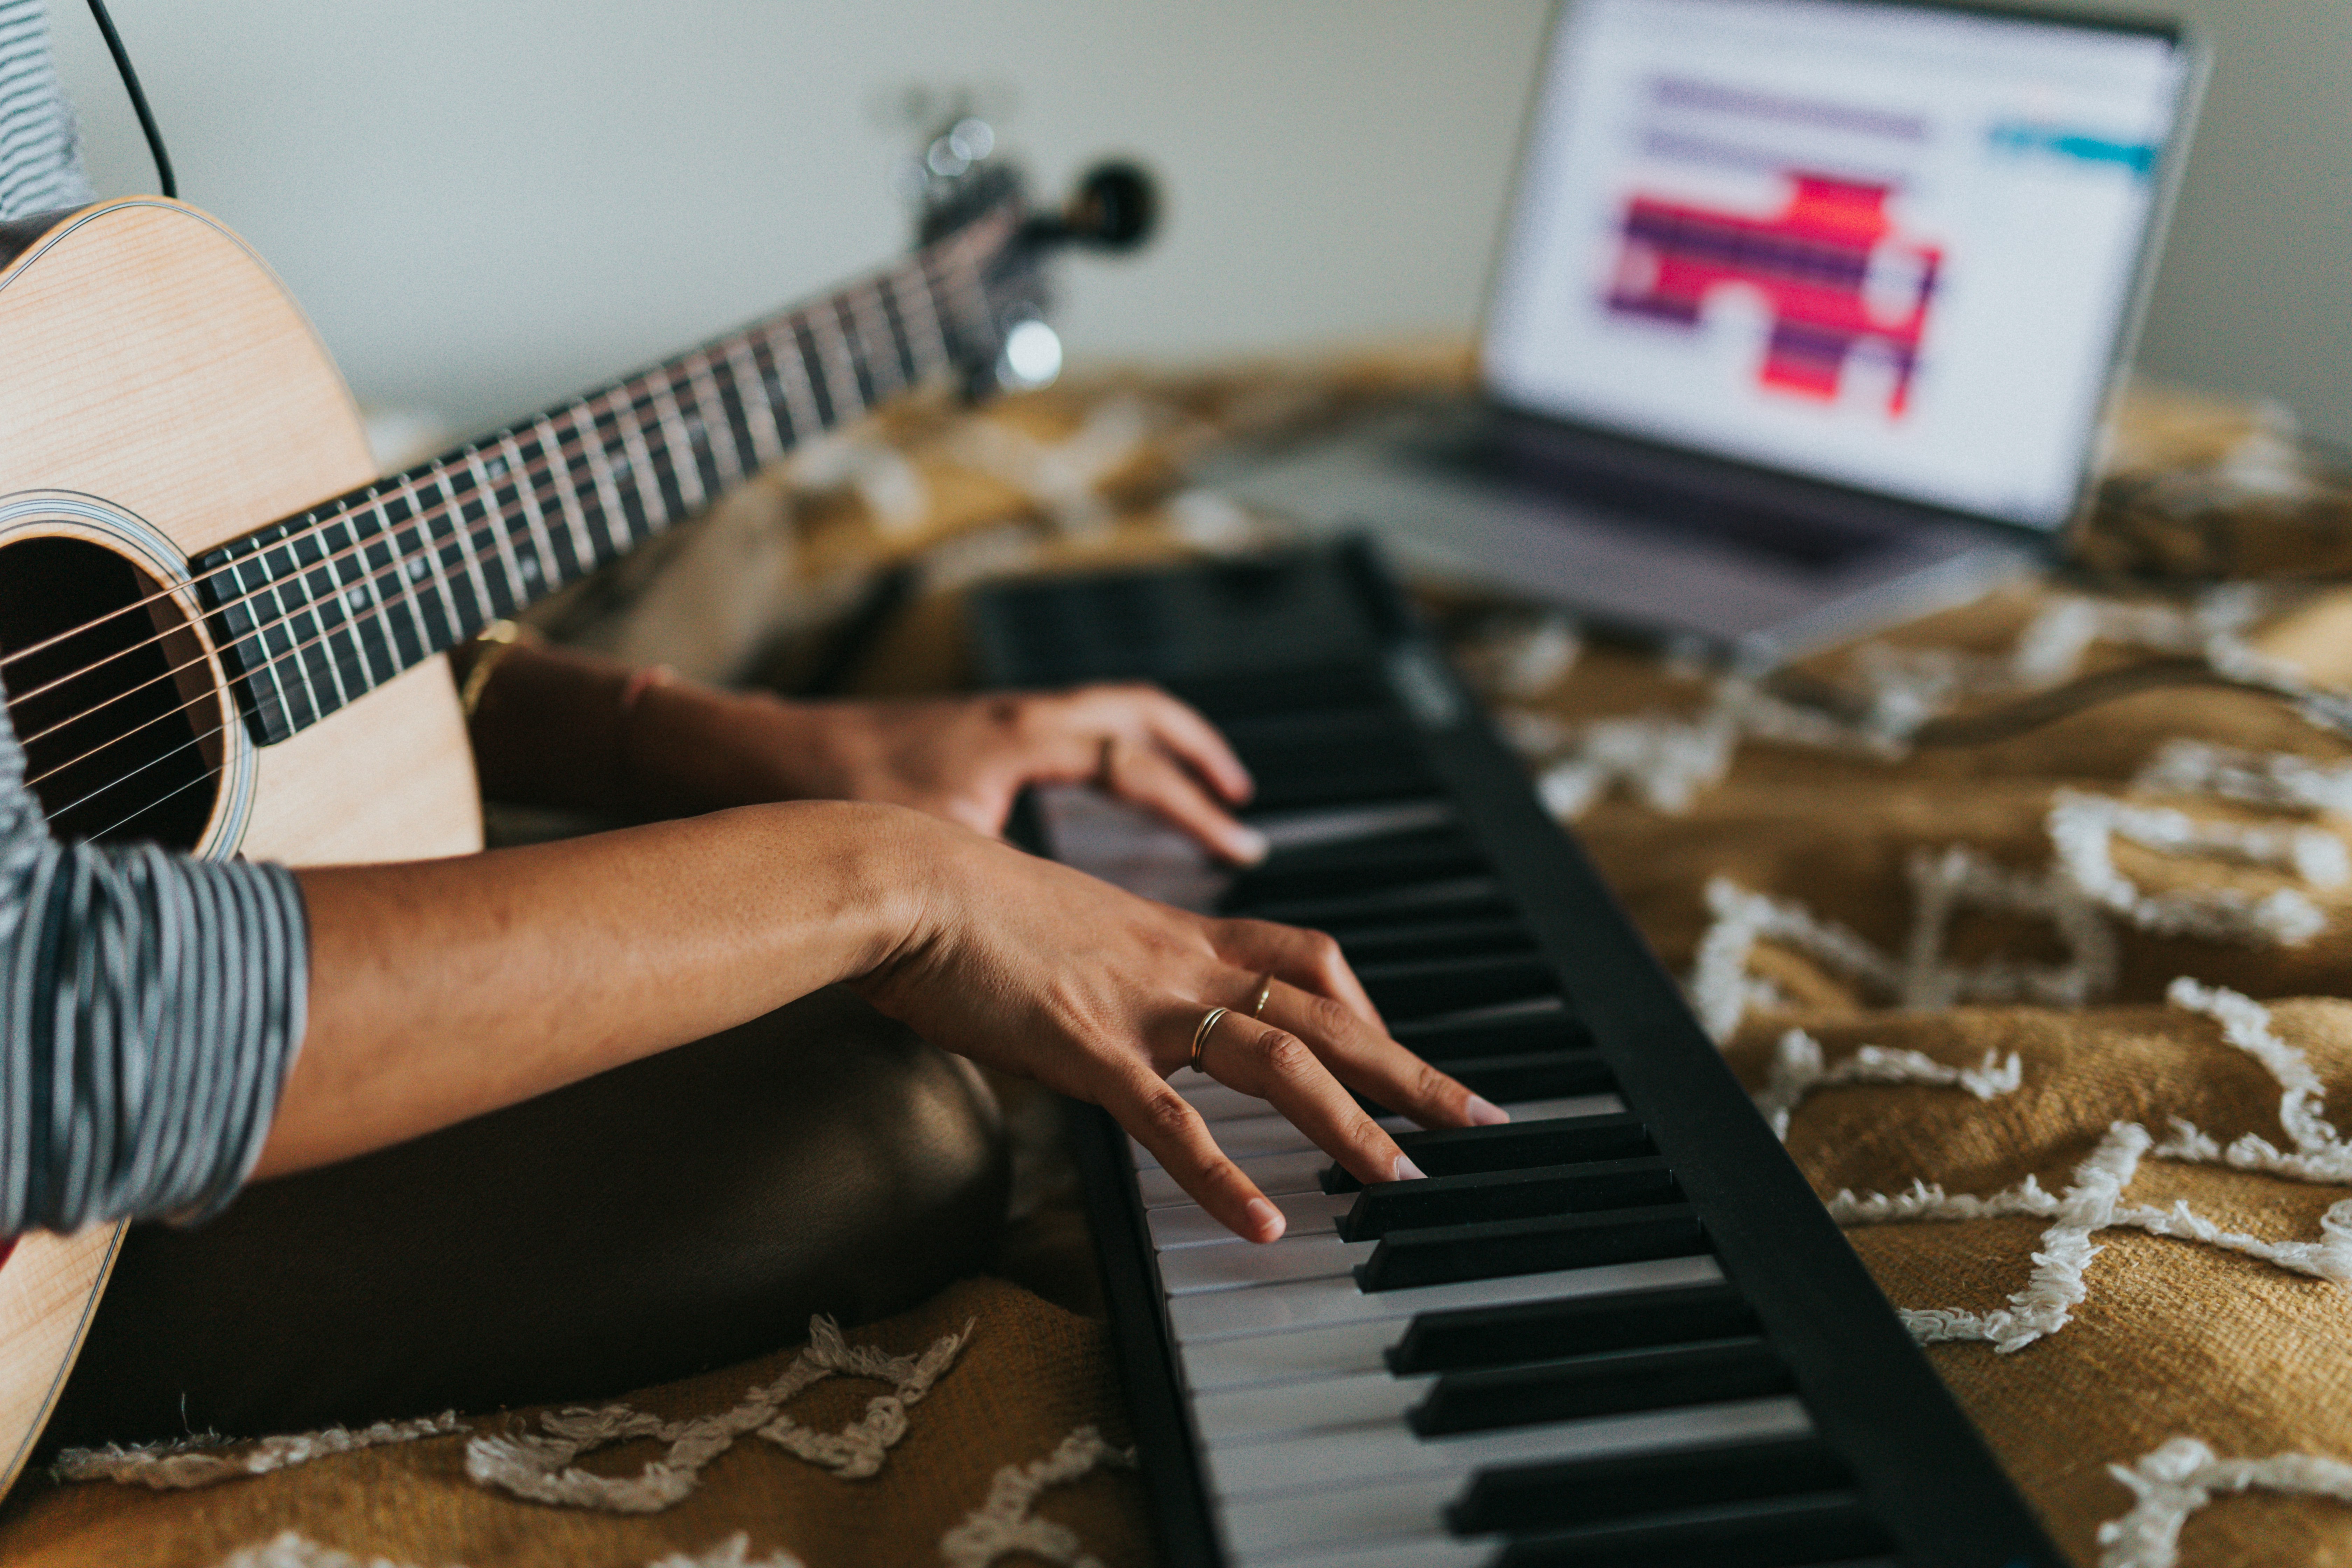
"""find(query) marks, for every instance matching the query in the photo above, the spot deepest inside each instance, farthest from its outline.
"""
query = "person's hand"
(965, 759)
(1042, 971)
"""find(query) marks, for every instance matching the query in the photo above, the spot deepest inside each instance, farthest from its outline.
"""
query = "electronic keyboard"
(1621, 1329)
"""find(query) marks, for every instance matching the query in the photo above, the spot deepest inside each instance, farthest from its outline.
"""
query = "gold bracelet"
(502, 635)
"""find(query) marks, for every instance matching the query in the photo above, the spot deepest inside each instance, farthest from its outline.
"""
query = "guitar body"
(163, 396)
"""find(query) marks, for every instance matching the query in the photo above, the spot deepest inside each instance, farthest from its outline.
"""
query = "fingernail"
(1265, 1219)
(1485, 1112)
(1406, 1171)
(1247, 844)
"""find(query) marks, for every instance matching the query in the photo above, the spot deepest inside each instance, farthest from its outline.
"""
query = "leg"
(677, 1213)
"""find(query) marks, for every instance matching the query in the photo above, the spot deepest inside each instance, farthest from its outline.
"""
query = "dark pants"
(678, 1214)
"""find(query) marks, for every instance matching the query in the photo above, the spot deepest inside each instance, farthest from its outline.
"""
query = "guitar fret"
(511, 593)
(711, 404)
(467, 593)
(836, 370)
(419, 565)
(384, 556)
(626, 471)
(751, 387)
(371, 656)
(567, 496)
(789, 365)
(493, 590)
(862, 371)
(591, 455)
(546, 563)
(928, 346)
(317, 579)
(881, 342)
(282, 634)
(676, 440)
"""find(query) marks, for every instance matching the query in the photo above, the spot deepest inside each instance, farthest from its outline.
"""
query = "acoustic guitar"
(221, 630)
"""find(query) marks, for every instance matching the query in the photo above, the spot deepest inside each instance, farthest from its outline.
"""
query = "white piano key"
(1188, 1270)
(1276, 1175)
(1246, 1136)
(1190, 1225)
(1135, 849)
(1317, 826)
(1308, 1303)
(1238, 1414)
(1378, 1452)
(1217, 1102)
(1417, 1551)
(1394, 1511)
(1298, 1355)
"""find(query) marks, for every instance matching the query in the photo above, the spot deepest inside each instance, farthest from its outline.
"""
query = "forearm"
(560, 727)
(445, 989)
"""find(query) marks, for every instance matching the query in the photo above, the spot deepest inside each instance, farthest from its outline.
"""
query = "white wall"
(489, 204)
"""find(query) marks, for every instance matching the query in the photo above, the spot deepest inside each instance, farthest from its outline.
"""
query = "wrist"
(885, 872)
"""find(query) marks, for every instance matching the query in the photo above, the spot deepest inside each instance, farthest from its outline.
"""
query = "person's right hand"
(1045, 972)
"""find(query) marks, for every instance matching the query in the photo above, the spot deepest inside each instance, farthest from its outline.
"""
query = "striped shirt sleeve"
(40, 161)
(153, 1005)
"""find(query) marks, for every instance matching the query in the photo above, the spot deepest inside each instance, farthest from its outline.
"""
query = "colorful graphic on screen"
(1888, 246)
(1836, 277)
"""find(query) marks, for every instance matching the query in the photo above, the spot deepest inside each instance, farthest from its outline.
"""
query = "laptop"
(1806, 317)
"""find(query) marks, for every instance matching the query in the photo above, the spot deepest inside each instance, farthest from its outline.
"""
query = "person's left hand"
(965, 759)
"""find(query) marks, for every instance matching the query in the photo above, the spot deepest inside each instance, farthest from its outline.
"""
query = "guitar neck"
(315, 611)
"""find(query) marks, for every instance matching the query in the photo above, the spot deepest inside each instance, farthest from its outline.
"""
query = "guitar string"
(275, 663)
(468, 541)
(950, 258)
(471, 540)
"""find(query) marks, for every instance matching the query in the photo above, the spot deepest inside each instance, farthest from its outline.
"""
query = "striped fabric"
(39, 168)
(152, 1004)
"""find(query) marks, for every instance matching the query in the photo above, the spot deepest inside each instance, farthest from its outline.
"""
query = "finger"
(1281, 1068)
(1151, 779)
(1159, 1119)
(1368, 1061)
(1152, 717)
(1178, 727)
(1307, 959)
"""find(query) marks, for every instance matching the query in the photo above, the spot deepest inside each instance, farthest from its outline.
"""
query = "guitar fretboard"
(314, 612)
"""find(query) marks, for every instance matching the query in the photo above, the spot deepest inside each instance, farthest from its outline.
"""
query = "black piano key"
(1486, 935)
(1310, 762)
(1300, 733)
(1358, 866)
(1611, 1383)
(1540, 1074)
(1231, 700)
(1467, 1337)
(1433, 987)
(1447, 898)
(1514, 1146)
(1444, 1255)
(1508, 1194)
(1554, 1494)
(1779, 1532)
(1514, 1035)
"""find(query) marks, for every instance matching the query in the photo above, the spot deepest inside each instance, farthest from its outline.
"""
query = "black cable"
(138, 99)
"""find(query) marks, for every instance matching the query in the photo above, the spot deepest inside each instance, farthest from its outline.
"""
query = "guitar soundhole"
(111, 695)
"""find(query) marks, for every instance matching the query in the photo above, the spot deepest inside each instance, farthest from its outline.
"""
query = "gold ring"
(1265, 994)
(1201, 1036)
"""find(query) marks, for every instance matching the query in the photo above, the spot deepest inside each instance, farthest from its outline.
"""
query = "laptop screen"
(1890, 245)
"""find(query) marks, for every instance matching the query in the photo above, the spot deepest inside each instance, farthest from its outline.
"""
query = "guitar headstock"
(961, 184)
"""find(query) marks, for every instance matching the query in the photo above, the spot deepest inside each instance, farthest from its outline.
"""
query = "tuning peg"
(1114, 207)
